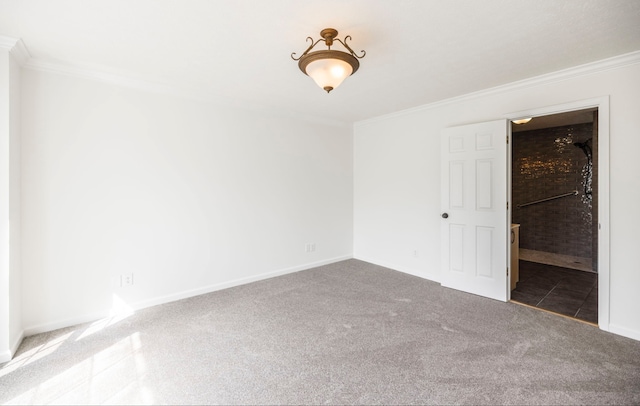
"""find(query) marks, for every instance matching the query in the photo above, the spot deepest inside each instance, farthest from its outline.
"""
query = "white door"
(474, 231)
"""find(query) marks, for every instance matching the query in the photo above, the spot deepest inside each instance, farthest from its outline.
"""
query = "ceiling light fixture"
(328, 68)
(521, 120)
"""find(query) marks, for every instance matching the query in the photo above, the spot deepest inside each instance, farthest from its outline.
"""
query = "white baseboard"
(46, 327)
(237, 282)
(16, 343)
(428, 276)
(58, 324)
(6, 356)
(625, 332)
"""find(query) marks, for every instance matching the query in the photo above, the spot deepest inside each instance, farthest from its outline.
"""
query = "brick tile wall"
(545, 163)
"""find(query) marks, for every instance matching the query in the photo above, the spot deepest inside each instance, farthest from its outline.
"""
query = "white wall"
(15, 185)
(4, 206)
(187, 196)
(397, 178)
(10, 278)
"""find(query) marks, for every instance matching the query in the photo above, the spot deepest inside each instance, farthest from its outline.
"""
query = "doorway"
(481, 179)
(554, 195)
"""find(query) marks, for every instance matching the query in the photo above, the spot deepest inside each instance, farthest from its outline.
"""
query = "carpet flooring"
(345, 333)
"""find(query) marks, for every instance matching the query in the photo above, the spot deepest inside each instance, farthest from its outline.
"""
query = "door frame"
(602, 104)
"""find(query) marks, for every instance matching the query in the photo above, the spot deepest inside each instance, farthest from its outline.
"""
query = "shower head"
(585, 147)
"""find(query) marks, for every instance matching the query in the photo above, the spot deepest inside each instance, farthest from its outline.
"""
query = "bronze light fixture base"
(329, 34)
(328, 54)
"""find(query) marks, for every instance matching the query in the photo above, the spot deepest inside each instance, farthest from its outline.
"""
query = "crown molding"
(16, 48)
(7, 42)
(590, 68)
(100, 74)
(128, 80)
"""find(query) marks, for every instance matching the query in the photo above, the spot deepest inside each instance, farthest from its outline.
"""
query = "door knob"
(445, 215)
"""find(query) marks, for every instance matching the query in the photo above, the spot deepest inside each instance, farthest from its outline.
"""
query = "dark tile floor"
(561, 290)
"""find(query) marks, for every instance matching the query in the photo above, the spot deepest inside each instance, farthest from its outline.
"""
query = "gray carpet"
(346, 333)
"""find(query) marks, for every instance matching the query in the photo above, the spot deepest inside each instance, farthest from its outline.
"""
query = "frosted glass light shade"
(329, 73)
(328, 68)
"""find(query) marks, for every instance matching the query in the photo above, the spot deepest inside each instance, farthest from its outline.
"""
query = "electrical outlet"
(313, 246)
(415, 253)
(126, 279)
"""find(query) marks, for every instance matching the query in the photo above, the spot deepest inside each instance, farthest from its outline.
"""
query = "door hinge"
(507, 205)
(507, 271)
(507, 139)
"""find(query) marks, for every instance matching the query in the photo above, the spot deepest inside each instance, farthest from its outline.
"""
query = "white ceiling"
(237, 52)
